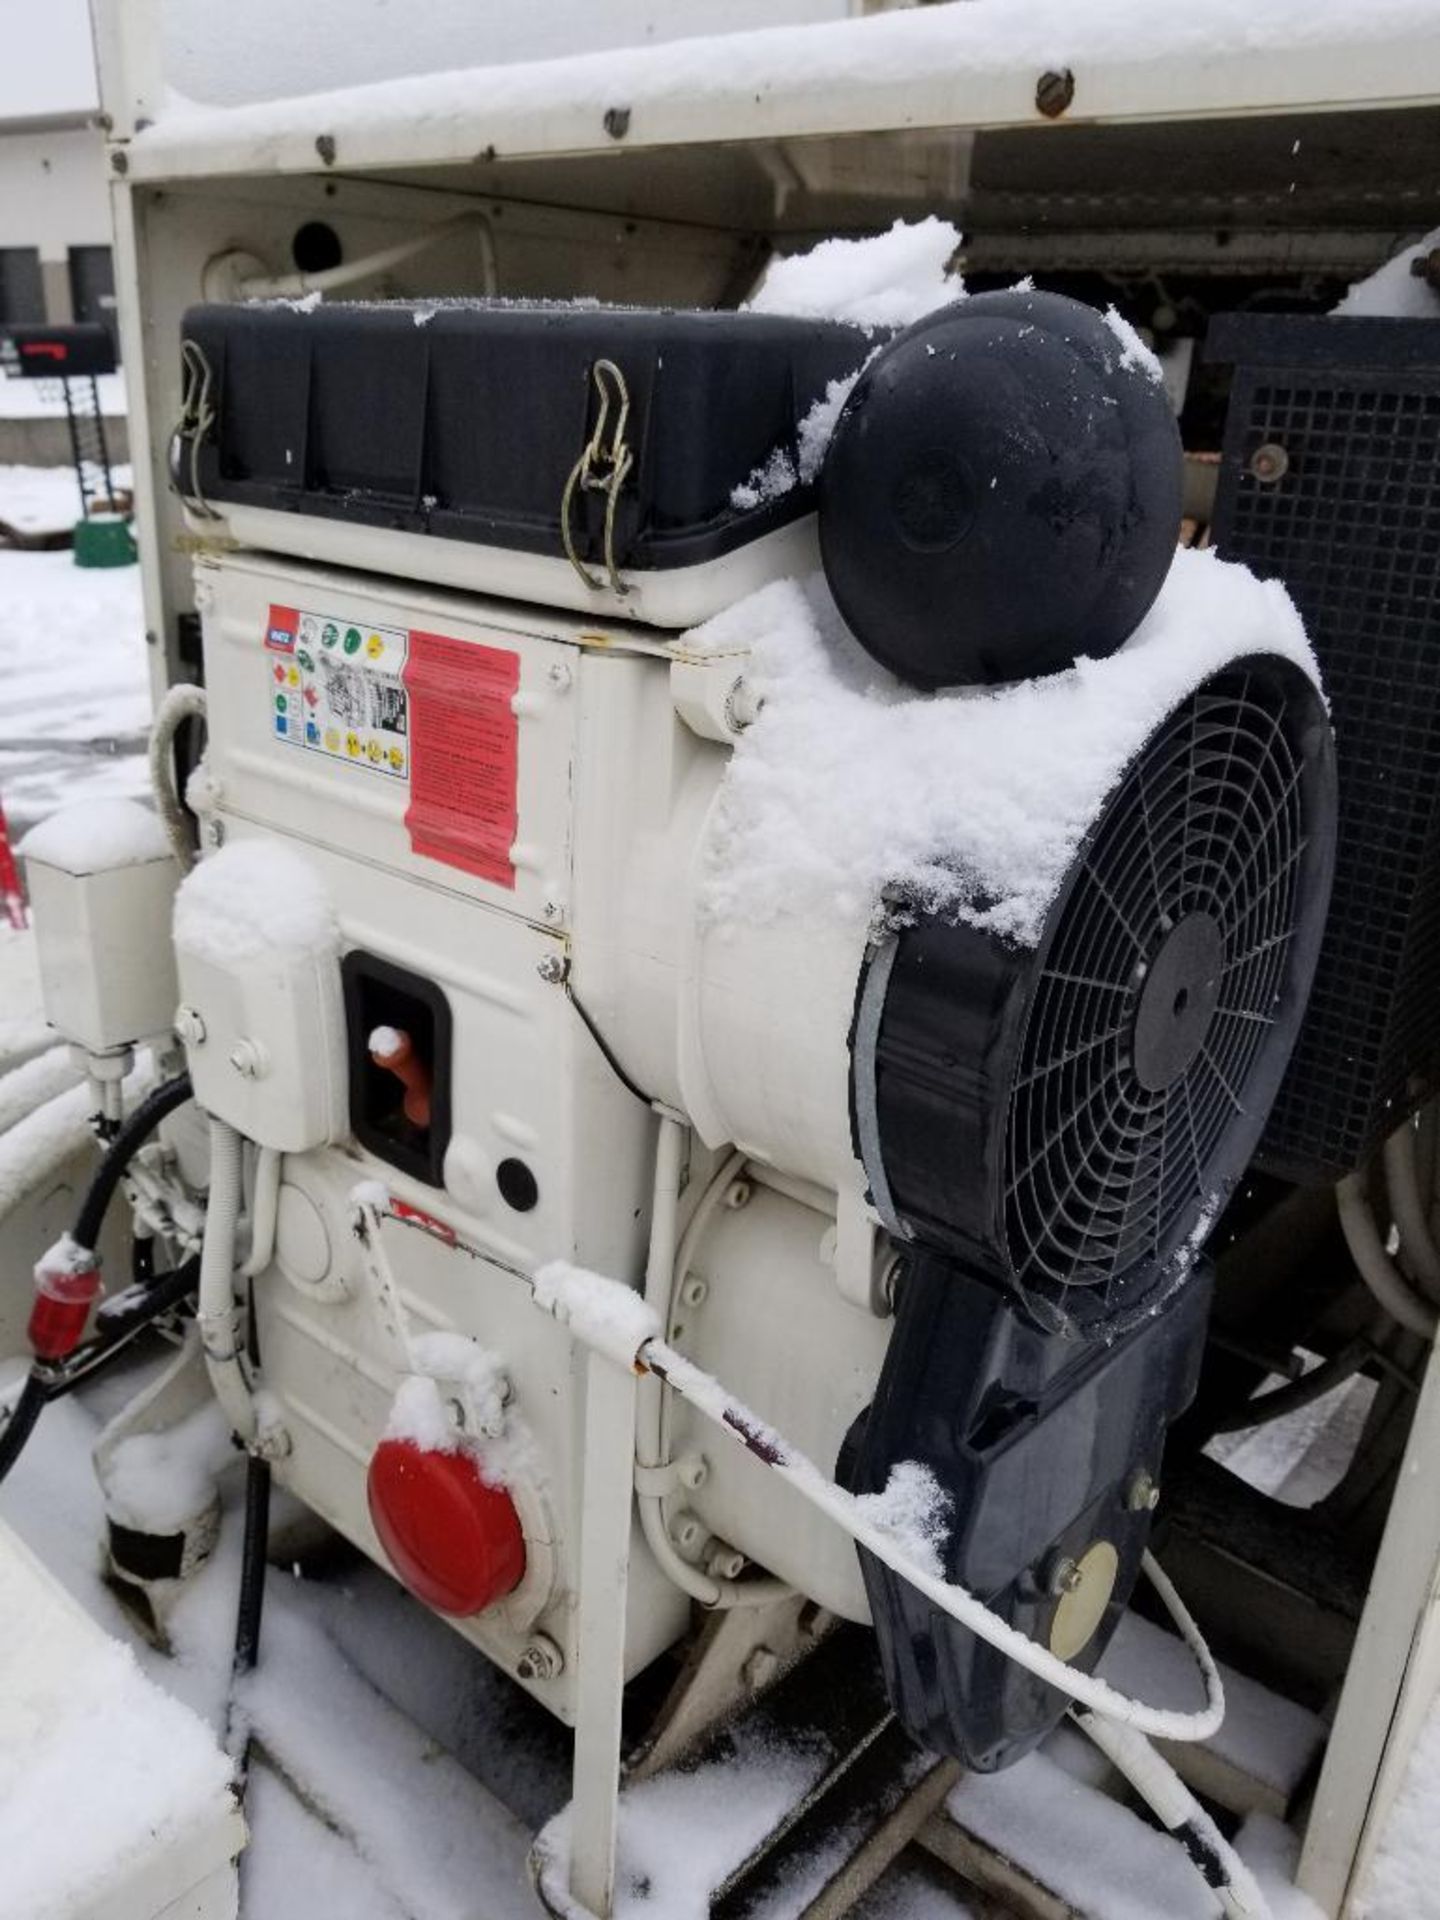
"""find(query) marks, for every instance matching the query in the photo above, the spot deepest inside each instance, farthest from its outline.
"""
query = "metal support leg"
(600, 1678)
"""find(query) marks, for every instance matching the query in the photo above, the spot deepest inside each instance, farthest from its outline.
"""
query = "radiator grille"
(1351, 524)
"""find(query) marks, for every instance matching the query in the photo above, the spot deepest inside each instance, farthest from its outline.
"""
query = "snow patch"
(1393, 291)
(915, 1511)
(971, 803)
(1133, 350)
(63, 1259)
(96, 836)
(603, 1313)
(384, 1041)
(419, 1415)
(156, 1482)
(253, 900)
(885, 280)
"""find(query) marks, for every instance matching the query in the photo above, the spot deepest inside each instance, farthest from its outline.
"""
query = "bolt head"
(552, 968)
(1143, 1496)
(1067, 1577)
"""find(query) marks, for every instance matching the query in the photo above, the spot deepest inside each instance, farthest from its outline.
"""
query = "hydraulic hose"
(47, 1379)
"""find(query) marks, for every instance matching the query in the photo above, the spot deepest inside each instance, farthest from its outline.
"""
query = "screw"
(617, 122)
(551, 909)
(247, 1057)
(541, 1660)
(694, 1290)
(1143, 1495)
(1054, 92)
(559, 676)
(190, 1027)
(1269, 463)
(1066, 1578)
(325, 147)
(553, 968)
(120, 160)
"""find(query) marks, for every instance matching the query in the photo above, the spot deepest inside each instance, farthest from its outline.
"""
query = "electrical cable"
(160, 1102)
(183, 702)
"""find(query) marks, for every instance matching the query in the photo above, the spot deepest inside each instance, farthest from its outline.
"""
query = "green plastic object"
(104, 540)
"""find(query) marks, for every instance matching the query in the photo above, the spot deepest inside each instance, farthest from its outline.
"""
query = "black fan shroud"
(1070, 1119)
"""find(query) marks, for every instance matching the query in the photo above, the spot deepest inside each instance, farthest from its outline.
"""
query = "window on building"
(22, 290)
(92, 287)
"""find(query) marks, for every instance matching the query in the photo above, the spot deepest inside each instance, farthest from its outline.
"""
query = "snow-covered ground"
(74, 693)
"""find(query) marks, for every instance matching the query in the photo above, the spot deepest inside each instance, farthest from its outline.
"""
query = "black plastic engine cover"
(1037, 1438)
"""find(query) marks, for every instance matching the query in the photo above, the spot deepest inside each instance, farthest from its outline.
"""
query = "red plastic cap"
(455, 1541)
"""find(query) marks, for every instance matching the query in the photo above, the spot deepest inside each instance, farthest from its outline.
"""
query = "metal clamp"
(601, 469)
(195, 425)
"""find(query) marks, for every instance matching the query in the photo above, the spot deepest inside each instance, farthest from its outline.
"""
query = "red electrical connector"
(67, 1285)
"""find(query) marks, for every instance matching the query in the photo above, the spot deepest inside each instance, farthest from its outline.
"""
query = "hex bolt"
(1142, 1496)
(694, 1290)
(760, 1667)
(1067, 1577)
(541, 1660)
(553, 968)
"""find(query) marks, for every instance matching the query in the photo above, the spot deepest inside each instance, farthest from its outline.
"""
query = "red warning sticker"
(464, 754)
(281, 628)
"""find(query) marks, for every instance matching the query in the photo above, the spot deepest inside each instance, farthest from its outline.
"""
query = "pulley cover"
(1002, 492)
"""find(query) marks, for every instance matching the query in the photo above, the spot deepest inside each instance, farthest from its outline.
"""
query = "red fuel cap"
(453, 1539)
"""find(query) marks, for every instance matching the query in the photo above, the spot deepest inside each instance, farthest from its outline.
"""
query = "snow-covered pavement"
(74, 688)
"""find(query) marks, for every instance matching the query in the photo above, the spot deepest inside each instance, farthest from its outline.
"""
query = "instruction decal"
(464, 739)
(337, 687)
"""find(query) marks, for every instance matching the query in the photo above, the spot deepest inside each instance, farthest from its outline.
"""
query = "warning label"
(338, 689)
(465, 747)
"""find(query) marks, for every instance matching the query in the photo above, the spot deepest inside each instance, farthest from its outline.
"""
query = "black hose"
(252, 1563)
(134, 1130)
(21, 1423)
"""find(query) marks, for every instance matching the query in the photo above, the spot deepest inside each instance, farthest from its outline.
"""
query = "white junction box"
(102, 882)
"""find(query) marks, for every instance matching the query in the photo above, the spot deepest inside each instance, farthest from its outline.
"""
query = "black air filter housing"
(1331, 481)
(1068, 1120)
(1001, 494)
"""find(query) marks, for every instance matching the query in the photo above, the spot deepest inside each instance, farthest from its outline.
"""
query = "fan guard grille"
(1157, 1021)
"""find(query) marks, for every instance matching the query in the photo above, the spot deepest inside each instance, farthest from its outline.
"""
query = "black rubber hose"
(22, 1420)
(134, 1130)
